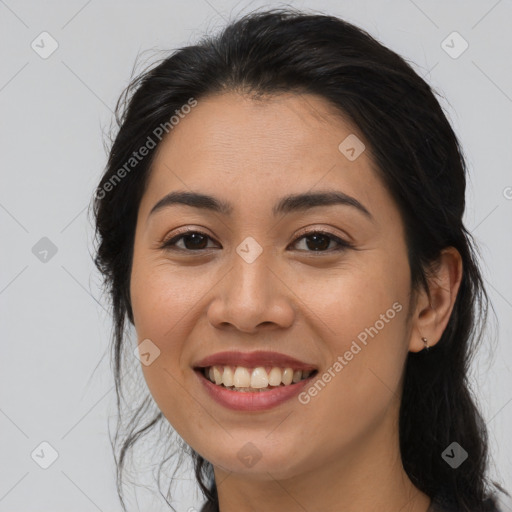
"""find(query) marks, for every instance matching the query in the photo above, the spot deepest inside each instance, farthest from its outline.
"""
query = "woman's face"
(255, 281)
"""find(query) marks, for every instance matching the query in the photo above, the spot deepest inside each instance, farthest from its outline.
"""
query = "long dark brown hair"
(416, 153)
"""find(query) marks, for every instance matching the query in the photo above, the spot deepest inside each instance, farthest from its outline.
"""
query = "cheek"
(161, 295)
(361, 321)
(163, 302)
(361, 376)
(358, 300)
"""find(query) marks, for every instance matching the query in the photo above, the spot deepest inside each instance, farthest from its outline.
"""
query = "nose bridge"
(251, 276)
(251, 294)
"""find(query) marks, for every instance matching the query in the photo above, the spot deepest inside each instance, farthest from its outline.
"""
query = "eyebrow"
(287, 204)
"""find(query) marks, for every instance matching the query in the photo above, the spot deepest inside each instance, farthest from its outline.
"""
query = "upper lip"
(253, 359)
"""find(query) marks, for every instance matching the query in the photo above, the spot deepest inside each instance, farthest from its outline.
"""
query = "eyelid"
(312, 229)
(184, 231)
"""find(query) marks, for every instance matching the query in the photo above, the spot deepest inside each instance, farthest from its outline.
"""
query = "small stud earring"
(425, 341)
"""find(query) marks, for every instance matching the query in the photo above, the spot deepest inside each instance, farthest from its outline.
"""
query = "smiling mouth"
(257, 379)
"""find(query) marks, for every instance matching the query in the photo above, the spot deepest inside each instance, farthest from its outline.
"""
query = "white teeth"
(287, 376)
(257, 378)
(217, 375)
(242, 378)
(227, 376)
(274, 377)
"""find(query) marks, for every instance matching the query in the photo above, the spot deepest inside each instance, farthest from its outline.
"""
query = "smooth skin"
(340, 451)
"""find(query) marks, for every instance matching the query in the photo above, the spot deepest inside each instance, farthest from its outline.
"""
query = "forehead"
(256, 150)
(275, 128)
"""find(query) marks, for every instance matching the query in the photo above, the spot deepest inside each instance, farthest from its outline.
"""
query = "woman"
(280, 220)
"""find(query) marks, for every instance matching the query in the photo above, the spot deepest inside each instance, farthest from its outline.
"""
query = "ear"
(431, 317)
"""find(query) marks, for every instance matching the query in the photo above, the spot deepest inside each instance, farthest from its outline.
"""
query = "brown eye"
(319, 241)
(192, 241)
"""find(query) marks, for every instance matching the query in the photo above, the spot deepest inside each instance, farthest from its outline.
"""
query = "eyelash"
(342, 244)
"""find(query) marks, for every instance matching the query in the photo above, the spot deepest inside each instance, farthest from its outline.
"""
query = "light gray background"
(54, 326)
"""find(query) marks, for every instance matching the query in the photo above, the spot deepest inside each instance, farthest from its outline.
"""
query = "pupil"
(196, 237)
(316, 237)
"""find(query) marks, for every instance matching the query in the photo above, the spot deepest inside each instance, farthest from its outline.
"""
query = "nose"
(251, 296)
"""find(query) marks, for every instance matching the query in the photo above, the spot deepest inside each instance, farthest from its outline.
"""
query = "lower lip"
(252, 400)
